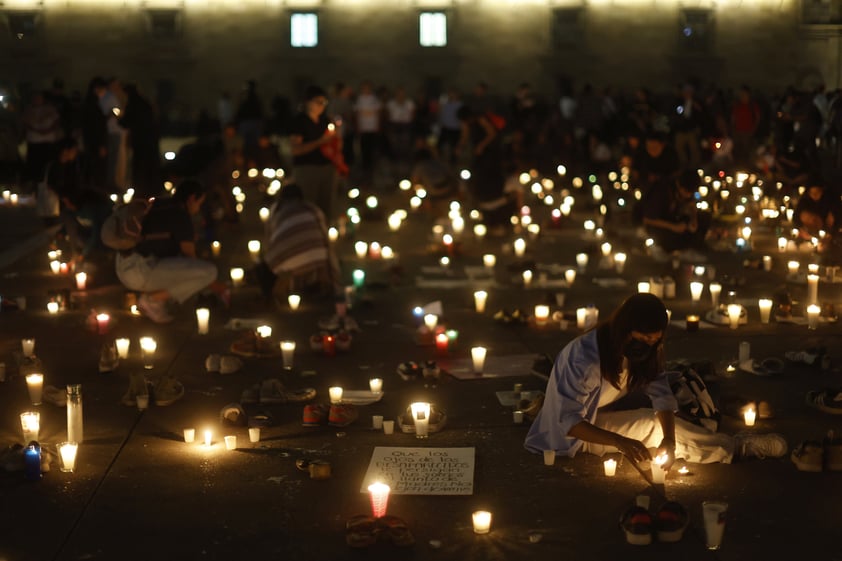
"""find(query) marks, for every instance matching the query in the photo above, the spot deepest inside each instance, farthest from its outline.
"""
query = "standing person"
(401, 112)
(43, 129)
(249, 119)
(94, 137)
(342, 114)
(745, 119)
(449, 127)
(140, 121)
(368, 109)
(687, 126)
(621, 355)
(111, 105)
(315, 174)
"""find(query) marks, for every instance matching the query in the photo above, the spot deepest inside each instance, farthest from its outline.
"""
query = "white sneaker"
(760, 445)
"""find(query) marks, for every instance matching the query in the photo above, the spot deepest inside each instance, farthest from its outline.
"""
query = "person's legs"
(182, 277)
(693, 443)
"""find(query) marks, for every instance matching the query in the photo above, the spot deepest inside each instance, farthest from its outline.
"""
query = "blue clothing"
(572, 396)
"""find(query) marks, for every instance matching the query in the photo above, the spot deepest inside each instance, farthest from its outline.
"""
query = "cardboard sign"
(422, 471)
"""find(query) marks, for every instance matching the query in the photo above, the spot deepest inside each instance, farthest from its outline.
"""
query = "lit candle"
(696, 289)
(237, 275)
(254, 250)
(81, 280)
(782, 242)
(374, 250)
(287, 352)
(643, 287)
(482, 521)
(254, 434)
(489, 260)
(519, 247)
(765, 305)
(189, 435)
(52, 308)
(55, 266)
(67, 455)
(813, 268)
(478, 358)
(734, 311)
(361, 249)
(767, 263)
(542, 314)
(35, 386)
(692, 322)
(102, 321)
(202, 320)
(480, 230)
(332, 234)
(582, 261)
(335, 393)
(216, 248)
(813, 311)
(387, 252)
(750, 416)
(30, 423)
(610, 467)
(606, 249)
(480, 298)
(208, 437)
(430, 321)
(63, 268)
(792, 267)
(442, 343)
(812, 288)
(379, 495)
(581, 317)
(264, 331)
(122, 347)
(231, 442)
(376, 385)
(27, 346)
(715, 290)
(527, 278)
(148, 346)
(421, 416)
(569, 276)
(358, 278)
(294, 301)
(658, 472)
(619, 262)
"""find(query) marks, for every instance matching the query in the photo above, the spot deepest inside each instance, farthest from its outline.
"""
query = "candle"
(696, 289)
(231, 442)
(619, 262)
(792, 267)
(216, 248)
(287, 352)
(480, 298)
(489, 260)
(643, 286)
(379, 495)
(482, 521)
(812, 288)
(734, 311)
(569, 276)
(387, 252)
(55, 266)
(329, 345)
(813, 268)
(35, 385)
(715, 290)
(202, 320)
(606, 249)
(782, 242)
(254, 250)
(63, 268)
(254, 434)
(208, 437)
(189, 435)
(517, 417)
(102, 321)
(421, 416)
(332, 234)
(52, 308)
(750, 416)
(692, 322)
(431, 320)
(335, 393)
(30, 422)
(358, 278)
(237, 275)
(27, 347)
(610, 467)
(478, 358)
(582, 261)
(294, 300)
(519, 247)
(442, 343)
(148, 346)
(542, 314)
(527, 278)
(361, 249)
(480, 230)
(375, 385)
(122, 347)
(767, 263)
(658, 472)
(813, 311)
(67, 456)
(81, 280)
(656, 287)
(765, 305)
(374, 250)
(581, 317)
(264, 331)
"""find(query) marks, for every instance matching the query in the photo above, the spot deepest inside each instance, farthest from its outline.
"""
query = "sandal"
(410, 369)
(395, 530)
(360, 531)
(827, 400)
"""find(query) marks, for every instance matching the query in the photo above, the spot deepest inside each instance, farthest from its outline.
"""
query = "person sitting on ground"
(296, 248)
(623, 355)
(671, 217)
(83, 213)
(163, 266)
(438, 180)
(817, 210)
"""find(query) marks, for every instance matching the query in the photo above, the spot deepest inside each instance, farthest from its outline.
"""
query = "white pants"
(182, 277)
(692, 443)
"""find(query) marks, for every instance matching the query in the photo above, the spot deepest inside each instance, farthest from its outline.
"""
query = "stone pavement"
(140, 492)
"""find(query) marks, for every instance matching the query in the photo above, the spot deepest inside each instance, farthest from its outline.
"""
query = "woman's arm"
(633, 449)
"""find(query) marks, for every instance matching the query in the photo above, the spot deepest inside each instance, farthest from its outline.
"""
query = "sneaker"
(808, 456)
(409, 370)
(273, 391)
(431, 370)
(108, 358)
(671, 521)
(233, 415)
(810, 357)
(55, 396)
(829, 400)
(760, 446)
(636, 523)
(137, 386)
(315, 414)
(342, 415)
(156, 310)
(212, 363)
(168, 390)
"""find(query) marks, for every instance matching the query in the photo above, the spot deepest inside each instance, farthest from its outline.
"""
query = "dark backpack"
(695, 404)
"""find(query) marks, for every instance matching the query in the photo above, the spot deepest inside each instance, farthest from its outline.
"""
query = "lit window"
(433, 29)
(304, 30)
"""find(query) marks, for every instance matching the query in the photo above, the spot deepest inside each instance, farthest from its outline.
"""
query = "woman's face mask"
(638, 351)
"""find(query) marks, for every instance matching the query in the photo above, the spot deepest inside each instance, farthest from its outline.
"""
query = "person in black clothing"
(671, 217)
(94, 137)
(144, 138)
(249, 119)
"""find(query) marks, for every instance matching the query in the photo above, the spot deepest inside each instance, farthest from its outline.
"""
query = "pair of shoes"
(431, 370)
(138, 385)
(272, 391)
(828, 400)
(224, 364)
(167, 391)
(55, 396)
(767, 367)
(363, 531)
(336, 414)
(811, 357)
(506, 318)
(668, 525)
(760, 446)
(337, 323)
(108, 357)
(815, 456)
(156, 310)
(315, 414)
(252, 345)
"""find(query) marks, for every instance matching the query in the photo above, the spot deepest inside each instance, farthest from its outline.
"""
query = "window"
(433, 29)
(22, 25)
(566, 31)
(696, 30)
(164, 23)
(304, 30)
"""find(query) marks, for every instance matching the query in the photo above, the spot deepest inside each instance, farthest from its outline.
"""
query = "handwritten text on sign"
(422, 471)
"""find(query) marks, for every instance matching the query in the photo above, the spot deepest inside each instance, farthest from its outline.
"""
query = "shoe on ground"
(108, 358)
(233, 415)
(315, 414)
(808, 456)
(636, 524)
(337, 322)
(273, 391)
(409, 370)
(810, 357)
(156, 310)
(168, 390)
(212, 362)
(55, 396)
(251, 345)
(137, 386)
(342, 414)
(229, 364)
(760, 446)
(828, 400)
(671, 521)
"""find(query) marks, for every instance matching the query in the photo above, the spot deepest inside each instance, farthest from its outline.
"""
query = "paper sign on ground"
(422, 471)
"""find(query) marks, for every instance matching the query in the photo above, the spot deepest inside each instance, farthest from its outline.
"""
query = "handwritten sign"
(422, 471)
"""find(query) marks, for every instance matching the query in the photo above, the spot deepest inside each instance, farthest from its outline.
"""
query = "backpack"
(695, 404)
(124, 228)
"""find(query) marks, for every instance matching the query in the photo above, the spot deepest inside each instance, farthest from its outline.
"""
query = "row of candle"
(30, 422)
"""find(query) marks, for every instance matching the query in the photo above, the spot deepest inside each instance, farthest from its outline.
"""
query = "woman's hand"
(633, 449)
(667, 448)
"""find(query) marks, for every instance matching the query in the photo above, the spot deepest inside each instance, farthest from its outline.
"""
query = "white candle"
(792, 267)
(812, 288)
(643, 287)
(254, 250)
(122, 347)
(527, 278)
(202, 320)
(421, 416)
(519, 247)
(478, 358)
(52, 308)
(542, 314)
(294, 300)
(782, 241)
(767, 263)
(734, 311)
(379, 497)
(30, 423)
(715, 290)
(765, 305)
(658, 472)
(216, 248)
(35, 386)
(81, 280)
(489, 260)
(55, 266)
(610, 467)
(148, 346)
(582, 261)
(750, 416)
(581, 317)
(480, 230)
(263, 213)
(569, 276)
(480, 298)
(254, 434)
(237, 275)
(375, 385)
(619, 262)
(264, 331)
(431, 320)
(361, 249)
(231, 442)
(482, 521)
(287, 353)
(335, 393)
(813, 268)
(27, 346)
(696, 289)
(189, 435)
(813, 311)
(606, 249)
(208, 437)
(332, 234)
(67, 453)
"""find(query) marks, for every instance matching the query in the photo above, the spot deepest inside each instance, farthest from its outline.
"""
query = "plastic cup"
(254, 434)
(549, 457)
(377, 422)
(142, 401)
(713, 513)
(388, 427)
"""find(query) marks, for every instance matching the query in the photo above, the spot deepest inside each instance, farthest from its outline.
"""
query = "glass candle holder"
(335, 394)
(287, 353)
(478, 358)
(30, 424)
(379, 496)
(421, 417)
(202, 320)
(122, 345)
(35, 387)
(67, 456)
(148, 346)
(482, 521)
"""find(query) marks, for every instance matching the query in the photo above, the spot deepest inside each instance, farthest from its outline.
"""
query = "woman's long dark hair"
(641, 312)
